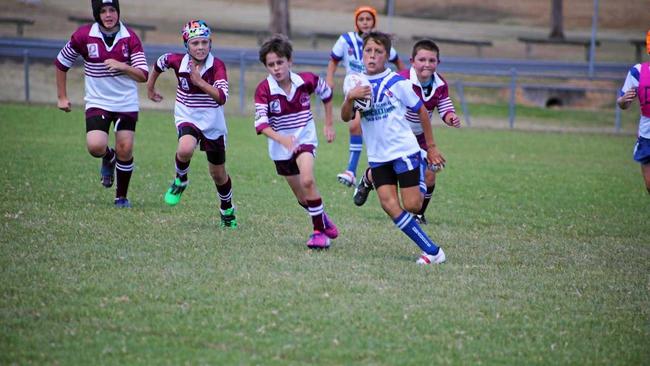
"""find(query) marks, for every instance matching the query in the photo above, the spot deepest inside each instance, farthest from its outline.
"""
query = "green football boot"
(175, 191)
(228, 218)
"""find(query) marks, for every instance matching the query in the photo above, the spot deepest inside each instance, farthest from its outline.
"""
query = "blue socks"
(356, 145)
(411, 228)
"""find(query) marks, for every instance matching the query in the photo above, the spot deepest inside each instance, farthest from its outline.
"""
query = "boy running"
(200, 95)
(348, 49)
(393, 151)
(433, 90)
(113, 62)
(283, 115)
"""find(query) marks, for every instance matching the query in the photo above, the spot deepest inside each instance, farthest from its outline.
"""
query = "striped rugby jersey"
(193, 104)
(289, 114)
(439, 98)
(113, 91)
(386, 132)
(349, 48)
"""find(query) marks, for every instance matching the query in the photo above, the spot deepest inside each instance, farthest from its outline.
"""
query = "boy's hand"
(195, 75)
(114, 65)
(64, 104)
(629, 96)
(153, 95)
(330, 133)
(451, 119)
(435, 157)
(360, 92)
(288, 141)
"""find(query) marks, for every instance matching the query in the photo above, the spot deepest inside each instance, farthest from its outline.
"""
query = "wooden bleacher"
(529, 41)
(19, 22)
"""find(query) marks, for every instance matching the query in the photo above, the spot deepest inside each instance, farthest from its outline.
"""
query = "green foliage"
(546, 236)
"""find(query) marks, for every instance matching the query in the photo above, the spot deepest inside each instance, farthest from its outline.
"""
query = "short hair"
(425, 44)
(383, 39)
(278, 44)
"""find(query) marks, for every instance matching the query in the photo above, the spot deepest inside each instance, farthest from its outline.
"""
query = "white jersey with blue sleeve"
(632, 81)
(349, 49)
(386, 131)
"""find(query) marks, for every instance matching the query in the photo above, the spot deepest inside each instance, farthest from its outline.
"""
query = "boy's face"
(198, 48)
(278, 67)
(425, 63)
(365, 22)
(374, 57)
(109, 16)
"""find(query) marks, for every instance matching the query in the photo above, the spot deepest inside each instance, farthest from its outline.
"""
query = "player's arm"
(288, 141)
(63, 103)
(214, 92)
(152, 93)
(330, 133)
(433, 155)
(331, 70)
(130, 71)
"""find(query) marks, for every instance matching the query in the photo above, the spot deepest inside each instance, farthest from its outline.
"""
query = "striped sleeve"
(138, 59)
(67, 56)
(445, 105)
(221, 80)
(162, 64)
(261, 107)
(323, 90)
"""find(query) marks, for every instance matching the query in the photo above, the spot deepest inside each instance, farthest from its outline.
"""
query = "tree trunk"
(280, 17)
(557, 19)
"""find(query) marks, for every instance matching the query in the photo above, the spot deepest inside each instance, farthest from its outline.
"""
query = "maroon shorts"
(214, 149)
(100, 119)
(290, 167)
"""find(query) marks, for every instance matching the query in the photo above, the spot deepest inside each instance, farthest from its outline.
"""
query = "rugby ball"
(352, 80)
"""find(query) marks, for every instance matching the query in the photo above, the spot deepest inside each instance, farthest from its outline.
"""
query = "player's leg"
(642, 156)
(356, 145)
(645, 170)
(188, 138)
(124, 166)
(324, 228)
(430, 181)
(217, 167)
(97, 127)
(385, 181)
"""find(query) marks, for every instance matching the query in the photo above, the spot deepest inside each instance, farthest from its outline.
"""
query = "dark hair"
(383, 39)
(425, 44)
(278, 44)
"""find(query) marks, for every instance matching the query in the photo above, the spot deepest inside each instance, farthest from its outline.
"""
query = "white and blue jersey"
(386, 131)
(349, 49)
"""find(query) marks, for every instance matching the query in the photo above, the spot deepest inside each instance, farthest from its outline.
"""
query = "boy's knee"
(307, 182)
(97, 150)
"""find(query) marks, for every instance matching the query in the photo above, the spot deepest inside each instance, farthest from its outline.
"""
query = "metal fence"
(39, 50)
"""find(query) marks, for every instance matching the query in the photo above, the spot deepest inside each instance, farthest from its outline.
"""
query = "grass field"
(546, 235)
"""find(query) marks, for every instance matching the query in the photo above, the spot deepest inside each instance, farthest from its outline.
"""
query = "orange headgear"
(647, 41)
(363, 9)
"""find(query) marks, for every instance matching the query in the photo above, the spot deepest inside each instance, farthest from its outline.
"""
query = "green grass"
(546, 236)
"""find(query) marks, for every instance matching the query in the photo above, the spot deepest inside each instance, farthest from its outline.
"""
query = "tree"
(279, 17)
(557, 19)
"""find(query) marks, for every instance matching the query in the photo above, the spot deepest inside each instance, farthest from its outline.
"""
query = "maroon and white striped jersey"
(289, 114)
(193, 104)
(438, 98)
(113, 91)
